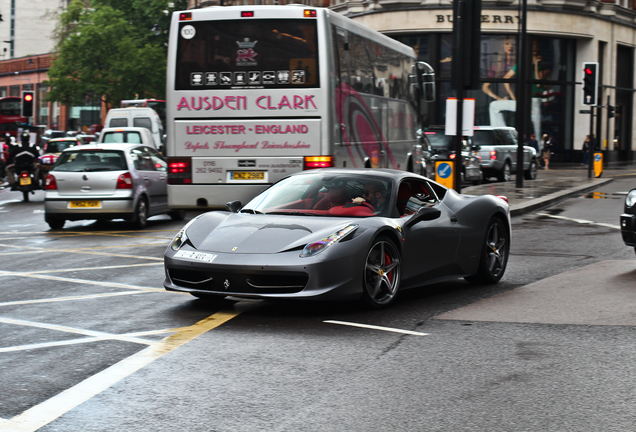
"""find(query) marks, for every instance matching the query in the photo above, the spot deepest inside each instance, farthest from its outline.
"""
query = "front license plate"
(85, 204)
(25, 181)
(198, 256)
(247, 175)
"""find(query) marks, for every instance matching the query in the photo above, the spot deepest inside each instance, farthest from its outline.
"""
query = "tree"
(108, 51)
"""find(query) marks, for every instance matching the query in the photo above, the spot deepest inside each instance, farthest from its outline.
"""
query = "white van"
(137, 117)
(132, 135)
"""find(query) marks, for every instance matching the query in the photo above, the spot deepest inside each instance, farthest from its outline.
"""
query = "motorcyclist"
(24, 155)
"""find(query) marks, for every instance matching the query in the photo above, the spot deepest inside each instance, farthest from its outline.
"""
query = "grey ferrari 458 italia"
(341, 234)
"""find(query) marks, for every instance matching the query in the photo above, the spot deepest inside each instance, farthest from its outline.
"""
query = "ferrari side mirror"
(424, 214)
(233, 206)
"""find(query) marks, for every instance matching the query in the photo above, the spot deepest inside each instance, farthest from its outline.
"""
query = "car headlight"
(631, 198)
(182, 237)
(315, 248)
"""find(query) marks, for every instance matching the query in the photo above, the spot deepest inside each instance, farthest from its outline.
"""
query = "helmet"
(25, 138)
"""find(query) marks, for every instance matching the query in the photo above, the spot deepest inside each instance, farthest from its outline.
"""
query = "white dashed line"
(368, 326)
(581, 221)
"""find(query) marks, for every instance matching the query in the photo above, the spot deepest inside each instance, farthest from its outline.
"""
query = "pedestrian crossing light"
(590, 83)
(28, 98)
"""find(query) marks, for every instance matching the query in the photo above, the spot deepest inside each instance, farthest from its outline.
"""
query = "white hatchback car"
(107, 181)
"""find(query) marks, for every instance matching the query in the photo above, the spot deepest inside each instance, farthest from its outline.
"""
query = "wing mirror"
(424, 214)
(233, 206)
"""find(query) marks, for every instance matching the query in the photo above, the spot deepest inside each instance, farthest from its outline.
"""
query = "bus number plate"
(247, 175)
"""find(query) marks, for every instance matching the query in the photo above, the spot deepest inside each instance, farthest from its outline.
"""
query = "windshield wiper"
(252, 211)
(294, 213)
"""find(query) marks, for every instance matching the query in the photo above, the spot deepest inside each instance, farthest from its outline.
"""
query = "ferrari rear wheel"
(381, 273)
(494, 255)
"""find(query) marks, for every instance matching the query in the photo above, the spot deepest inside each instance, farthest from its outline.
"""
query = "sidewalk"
(550, 186)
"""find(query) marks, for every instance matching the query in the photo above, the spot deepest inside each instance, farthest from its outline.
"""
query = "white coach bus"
(255, 93)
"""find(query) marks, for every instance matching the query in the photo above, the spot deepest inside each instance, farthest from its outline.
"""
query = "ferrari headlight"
(182, 237)
(631, 198)
(315, 248)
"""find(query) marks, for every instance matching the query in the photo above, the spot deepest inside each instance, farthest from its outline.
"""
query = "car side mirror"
(475, 147)
(233, 206)
(424, 214)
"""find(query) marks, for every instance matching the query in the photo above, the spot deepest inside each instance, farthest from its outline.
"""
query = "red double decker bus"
(10, 115)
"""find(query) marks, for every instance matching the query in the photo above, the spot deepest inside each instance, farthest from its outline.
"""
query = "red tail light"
(180, 170)
(24, 174)
(50, 183)
(185, 16)
(451, 156)
(247, 14)
(493, 155)
(124, 181)
(313, 162)
(503, 198)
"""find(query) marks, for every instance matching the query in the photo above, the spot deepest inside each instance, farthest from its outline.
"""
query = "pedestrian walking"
(546, 150)
(586, 150)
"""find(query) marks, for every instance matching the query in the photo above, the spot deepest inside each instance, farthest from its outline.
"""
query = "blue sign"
(444, 170)
(597, 157)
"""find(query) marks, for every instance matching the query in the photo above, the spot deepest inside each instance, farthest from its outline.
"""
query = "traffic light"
(610, 111)
(590, 83)
(28, 99)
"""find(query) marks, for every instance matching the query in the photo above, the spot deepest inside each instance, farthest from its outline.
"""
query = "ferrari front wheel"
(494, 254)
(381, 278)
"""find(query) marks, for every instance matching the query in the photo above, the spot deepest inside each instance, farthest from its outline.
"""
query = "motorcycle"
(26, 181)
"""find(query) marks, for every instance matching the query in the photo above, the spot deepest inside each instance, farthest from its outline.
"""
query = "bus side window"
(341, 41)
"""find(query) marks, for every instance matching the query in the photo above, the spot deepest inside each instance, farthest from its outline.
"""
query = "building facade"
(562, 35)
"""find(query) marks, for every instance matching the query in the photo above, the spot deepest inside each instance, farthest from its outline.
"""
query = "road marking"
(80, 281)
(368, 326)
(581, 221)
(40, 415)
(66, 329)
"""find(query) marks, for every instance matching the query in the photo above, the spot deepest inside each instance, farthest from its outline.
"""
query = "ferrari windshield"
(325, 195)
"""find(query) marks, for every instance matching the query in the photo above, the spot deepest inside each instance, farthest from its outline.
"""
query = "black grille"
(243, 283)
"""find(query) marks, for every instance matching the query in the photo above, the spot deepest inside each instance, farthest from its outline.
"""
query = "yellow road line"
(40, 415)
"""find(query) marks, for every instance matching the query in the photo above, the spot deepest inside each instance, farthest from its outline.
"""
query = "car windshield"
(325, 195)
(58, 146)
(439, 140)
(122, 137)
(91, 160)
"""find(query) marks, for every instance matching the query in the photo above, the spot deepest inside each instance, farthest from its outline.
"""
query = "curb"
(537, 203)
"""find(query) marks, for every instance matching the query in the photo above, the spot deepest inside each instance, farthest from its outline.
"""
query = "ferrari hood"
(248, 233)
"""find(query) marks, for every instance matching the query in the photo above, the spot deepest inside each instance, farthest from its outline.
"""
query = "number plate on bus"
(85, 204)
(25, 181)
(247, 175)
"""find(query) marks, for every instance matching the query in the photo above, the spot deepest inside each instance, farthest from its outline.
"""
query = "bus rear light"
(180, 170)
(185, 16)
(247, 14)
(310, 13)
(124, 181)
(313, 162)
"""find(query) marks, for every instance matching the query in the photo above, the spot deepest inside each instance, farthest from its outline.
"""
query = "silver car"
(107, 181)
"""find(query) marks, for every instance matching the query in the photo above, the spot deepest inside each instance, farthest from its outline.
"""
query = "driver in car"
(375, 194)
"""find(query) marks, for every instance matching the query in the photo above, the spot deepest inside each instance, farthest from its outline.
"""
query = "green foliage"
(109, 50)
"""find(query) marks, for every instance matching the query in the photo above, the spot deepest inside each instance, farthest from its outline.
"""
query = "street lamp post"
(522, 91)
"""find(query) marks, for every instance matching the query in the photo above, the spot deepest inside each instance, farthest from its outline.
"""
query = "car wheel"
(531, 172)
(140, 219)
(506, 173)
(177, 215)
(381, 278)
(494, 254)
(55, 224)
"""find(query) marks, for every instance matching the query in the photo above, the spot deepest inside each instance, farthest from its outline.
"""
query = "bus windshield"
(262, 53)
